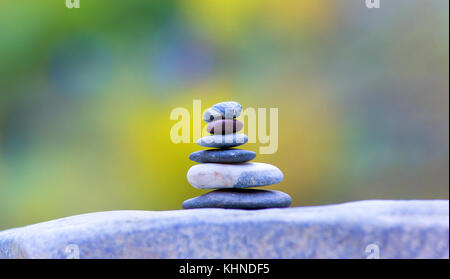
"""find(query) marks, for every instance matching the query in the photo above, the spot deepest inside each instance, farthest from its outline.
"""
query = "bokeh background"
(86, 94)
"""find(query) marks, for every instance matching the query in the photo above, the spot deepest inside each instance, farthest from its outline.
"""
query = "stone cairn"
(228, 169)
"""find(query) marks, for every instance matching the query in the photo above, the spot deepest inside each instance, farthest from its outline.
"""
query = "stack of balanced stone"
(228, 169)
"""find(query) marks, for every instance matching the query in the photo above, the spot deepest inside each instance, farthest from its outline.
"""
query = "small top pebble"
(224, 110)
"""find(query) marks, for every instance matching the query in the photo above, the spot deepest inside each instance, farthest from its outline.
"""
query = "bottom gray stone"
(240, 199)
(365, 229)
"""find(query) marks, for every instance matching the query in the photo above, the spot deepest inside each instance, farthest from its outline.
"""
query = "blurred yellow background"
(86, 94)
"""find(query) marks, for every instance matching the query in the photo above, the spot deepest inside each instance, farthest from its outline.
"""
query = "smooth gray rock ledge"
(390, 229)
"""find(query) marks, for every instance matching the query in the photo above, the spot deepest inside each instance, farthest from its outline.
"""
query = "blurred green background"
(85, 98)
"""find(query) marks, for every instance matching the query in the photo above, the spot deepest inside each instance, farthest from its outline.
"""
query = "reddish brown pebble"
(224, 126)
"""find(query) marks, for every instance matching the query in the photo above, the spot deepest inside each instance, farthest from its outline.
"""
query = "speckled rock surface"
(222, 156)
(393, 229)
(240, 199)
(245, 175)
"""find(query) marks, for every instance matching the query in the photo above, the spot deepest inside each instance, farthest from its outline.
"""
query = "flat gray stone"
(388, 229)
(223, 141)
(222, 156)
(240, 199)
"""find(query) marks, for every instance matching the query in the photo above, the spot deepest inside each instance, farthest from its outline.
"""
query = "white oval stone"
(216, 176)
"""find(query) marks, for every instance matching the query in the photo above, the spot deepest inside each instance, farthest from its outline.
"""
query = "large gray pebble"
(240, 199)
(217, 176)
